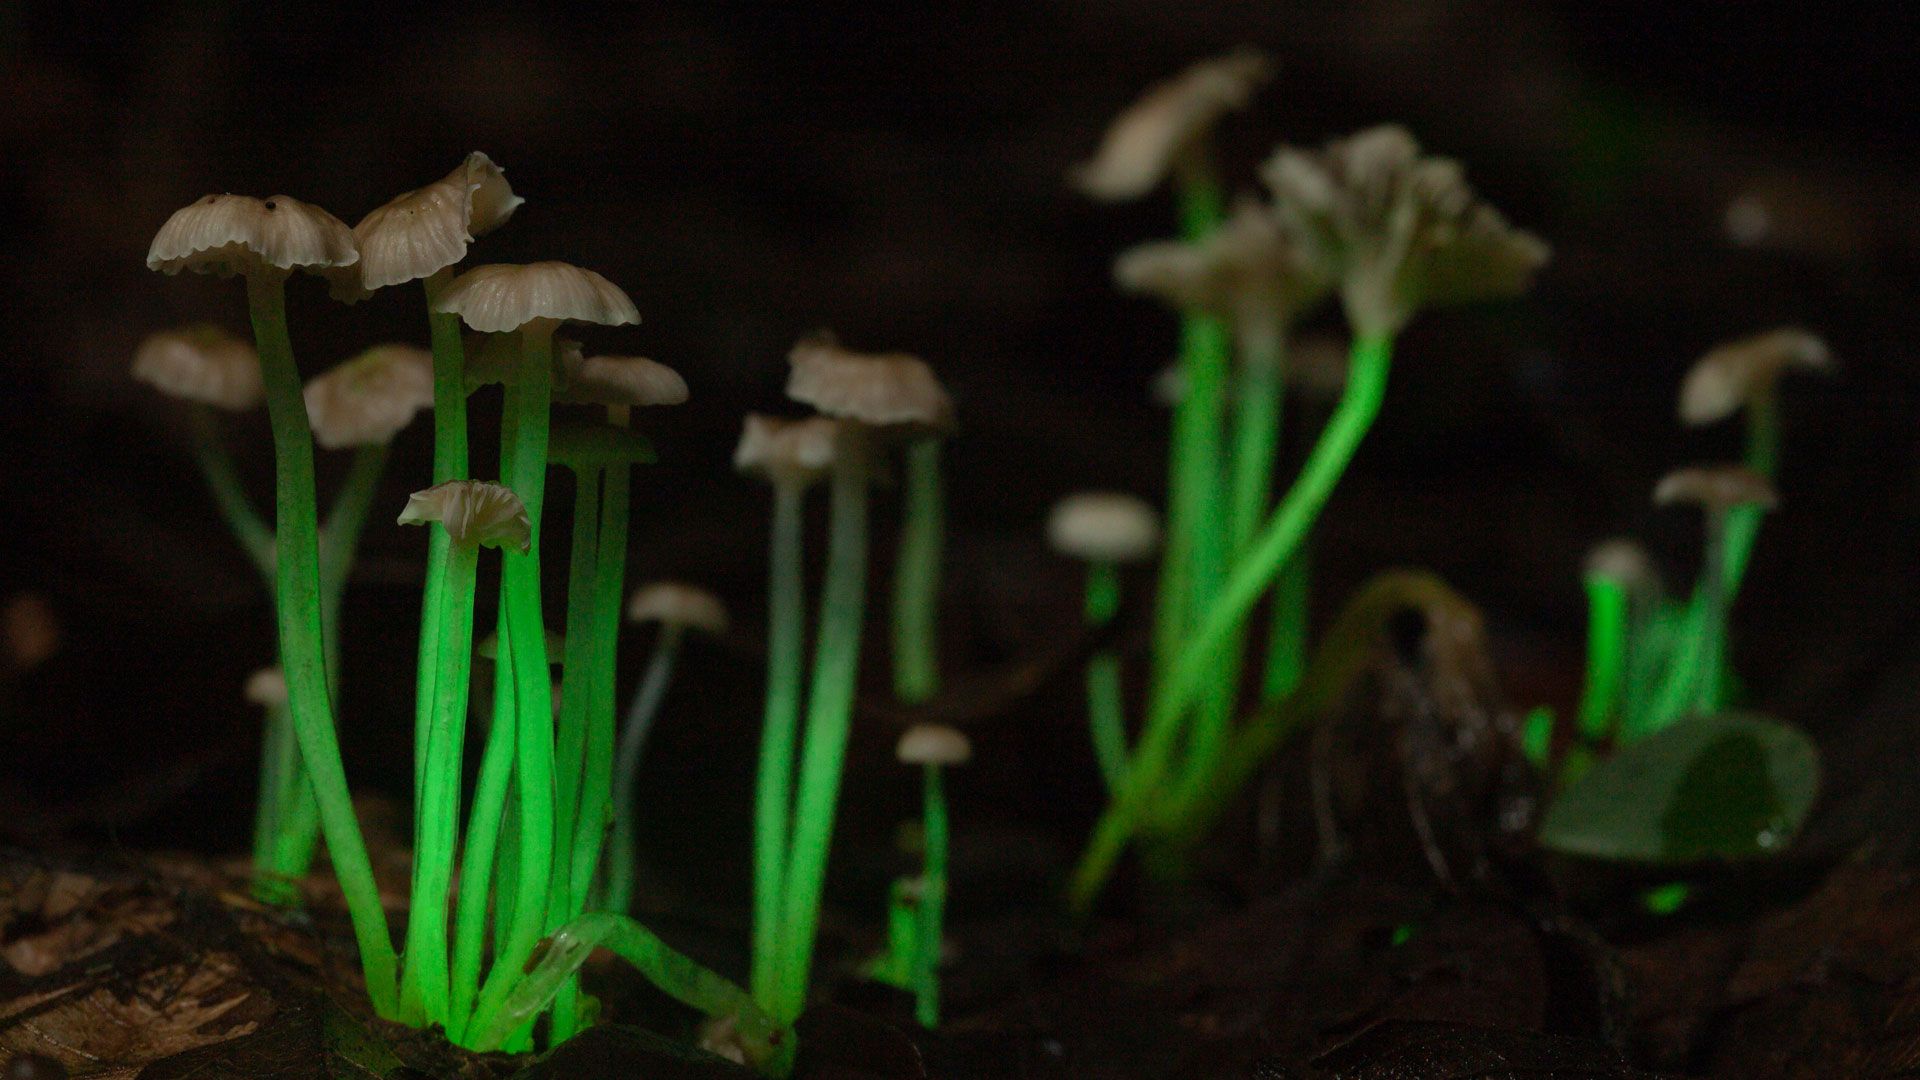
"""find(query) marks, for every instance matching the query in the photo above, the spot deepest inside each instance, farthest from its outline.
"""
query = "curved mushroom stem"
(223, 482)
(1269, 551)
(933, 903)
(578, 674)
(1105, 708)
(302, 648)
(916, 577)
(836, 665)
(773, 790)
(484, 825)
(633, 740)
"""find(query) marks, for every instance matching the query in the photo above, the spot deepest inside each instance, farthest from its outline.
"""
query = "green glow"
(829, 713)
(1607, 604)
(484, 825)
(1536, 736)
(609, 590)
(1252, 572)
(1402, 934)
(302, 642)
(1287, 637)
(772, 804)
(916, 577)
(633, 739)
(1106, 711)
(933, 904)
(1666, 899)
(229, 494)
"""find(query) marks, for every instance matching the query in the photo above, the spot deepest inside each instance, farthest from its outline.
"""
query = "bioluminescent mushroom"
(1718, 490)
(677, 607)
(474, 514)
(1623, 590)
(286, 807)
(1166, 131)
(791, 455)
(935, 748)
(870, 393)
(1105, 530)
(533, 300)
(265, 240)
(1397, 231)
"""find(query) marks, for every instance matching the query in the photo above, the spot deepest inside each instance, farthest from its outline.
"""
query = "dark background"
(750, 172)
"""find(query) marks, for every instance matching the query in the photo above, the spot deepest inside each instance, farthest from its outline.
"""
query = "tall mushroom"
(265, 240)
(1718, 490)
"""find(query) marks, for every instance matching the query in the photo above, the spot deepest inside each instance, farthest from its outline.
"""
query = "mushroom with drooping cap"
(476, 513)
(677, 607)
(265, 240)
(787, 452)
(1744, 373)
(889, 392)
(1104, 529)
(935, 748)
(1719, 491)
(429, 229)
(1165, 130)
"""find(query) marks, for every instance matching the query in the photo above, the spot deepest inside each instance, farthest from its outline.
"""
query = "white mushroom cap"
(1144, 141)
(500, 297)
(1250, 268)
(880, 389)
(786, 451)
(1716, 488)
(202, 363)
(933, 744)
(239, 234)
(474, 512)
(1622, 560)
(267, 688)
(368, 399)
(429, 229)
(1732, 374)
(620, 380)
(1400, 230)
(676, 603)
(1103, 526)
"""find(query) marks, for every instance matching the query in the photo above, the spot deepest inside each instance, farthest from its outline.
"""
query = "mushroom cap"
(787, 451)
(1622, 560)
(1716, 488)
(933, 744)
(1398, 229)
(619, 380)
(489, 647)
(429, 229)
(499, 297)
(676, 603)
(1732, 374)
(881, 389)
(266, 688)
(1143, 142)
(473, 512)
(1251, 267)
(239, 234)
(1103, 526)
(368, 399)
(202, 363)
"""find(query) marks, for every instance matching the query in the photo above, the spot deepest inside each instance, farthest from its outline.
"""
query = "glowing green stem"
(836, 665)
(302, 648)
(1287, 640)
(1606, 657)
(1252, 572)
(1106, 714)
(916, 577)
(772, 804)
(933, 904)
(576, 684)
(229, 494)
(626, 768)
(477, 864)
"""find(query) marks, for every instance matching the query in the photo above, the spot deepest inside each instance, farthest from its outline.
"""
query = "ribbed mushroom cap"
(621, 380)
(1399, 230)
(881, 389)
(489, 647)
(430, 228)
(474, 512)
(1622, 560)
(676, 603)
(1144, 141)
(500, 297)
(1716, 488)
(1103, 526)
(239, 234)
(933, 744)
(1732, 374)
(267, 688)
(1250, 268)
(201, 363)
(368, 399)
(785, 451)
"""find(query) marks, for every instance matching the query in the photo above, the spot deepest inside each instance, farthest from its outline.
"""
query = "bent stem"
(626, 768)
(836, 665)
(1288, 526)
(1105, 704)
(302, 649)
(933, 904)
(916, 577)
(229, 494)
(772, 804)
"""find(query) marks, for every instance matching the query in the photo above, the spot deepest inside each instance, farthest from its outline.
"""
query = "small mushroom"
(1104, 527)
(935, 748)
(1168, 126)
(368, 399)
(474, 512)
(203, 364)
(1719, 491)
(1745, 372)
